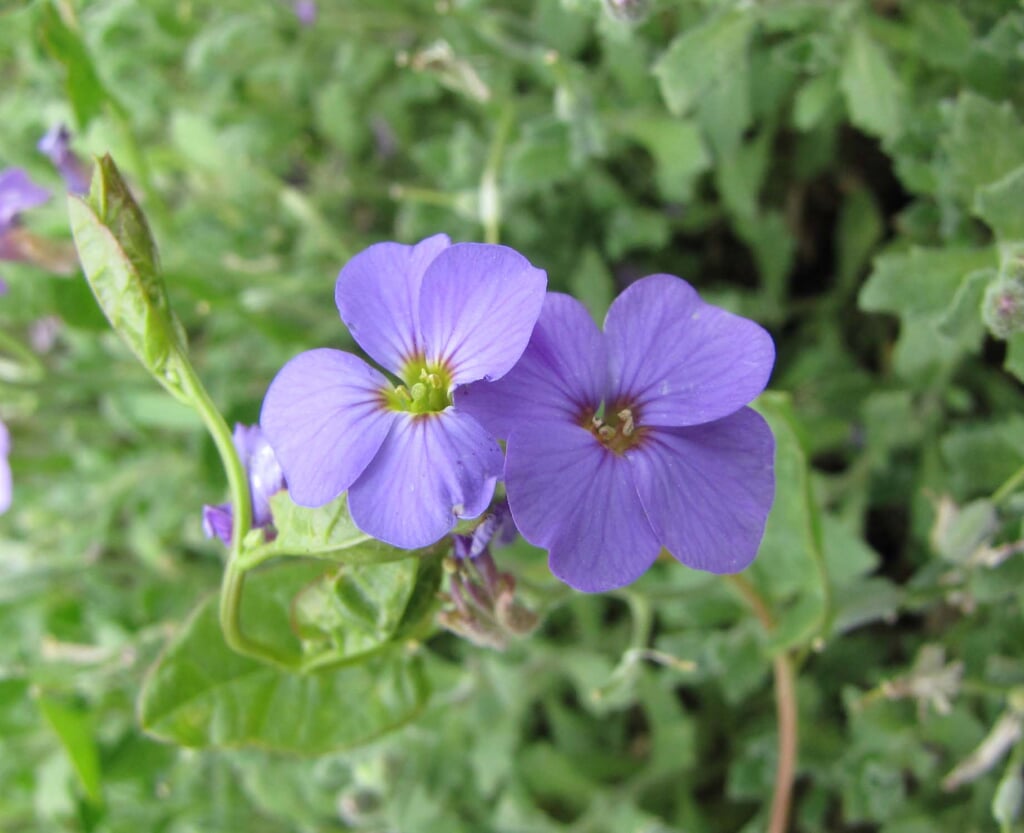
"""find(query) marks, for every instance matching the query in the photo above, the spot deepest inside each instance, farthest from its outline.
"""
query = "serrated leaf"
(119, 259)
(1001, 205)
(874, 94)
(200, 693)
(920, 281)
(984, 143)
(702, 58)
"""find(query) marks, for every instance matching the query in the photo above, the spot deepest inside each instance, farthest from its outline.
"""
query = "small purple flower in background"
(17, 193)
(438, 316)
(622, 442)
(265, 480)
(305, 11)
(56, 145)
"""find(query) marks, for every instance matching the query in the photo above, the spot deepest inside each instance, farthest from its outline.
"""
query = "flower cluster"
(618, 443)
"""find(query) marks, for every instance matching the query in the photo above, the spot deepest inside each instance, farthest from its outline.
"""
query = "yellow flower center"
(615, 427)
(427, 388)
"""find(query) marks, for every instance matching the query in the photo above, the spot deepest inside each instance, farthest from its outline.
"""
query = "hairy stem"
(785, 709)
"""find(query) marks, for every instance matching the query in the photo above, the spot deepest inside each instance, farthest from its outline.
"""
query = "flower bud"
(1003, 307)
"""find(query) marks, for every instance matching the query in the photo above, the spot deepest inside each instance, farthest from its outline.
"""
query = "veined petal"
(378, 295)
(562, 374)
(707, 489)
(324, 418)
(680, 360)
(431, 470)
(477, 309)
(577, 499)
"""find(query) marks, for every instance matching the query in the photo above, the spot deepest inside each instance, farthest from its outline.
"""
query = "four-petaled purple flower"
(625, 442)
(56, 146)
(438, 316)
(6, 486)
(265, 480)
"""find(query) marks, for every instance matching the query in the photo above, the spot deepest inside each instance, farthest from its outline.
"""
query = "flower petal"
(575, 498)
(477, 309)
(707, 489)
(219, 522)
(378, 294)
(562, 374)
(682, 361)
(323, 417)
(430, 471)
(18, 193)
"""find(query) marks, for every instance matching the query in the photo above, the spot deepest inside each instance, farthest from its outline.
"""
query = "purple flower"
(56, 145)
(17, 193)
(265, 480)
(437, 316)
(305, 11)
(5, 469)
(625, 442)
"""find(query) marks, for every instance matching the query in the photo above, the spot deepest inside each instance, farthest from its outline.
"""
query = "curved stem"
(785, 707)
(233, 580)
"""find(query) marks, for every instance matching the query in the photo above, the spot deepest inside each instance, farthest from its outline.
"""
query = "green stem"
(785, 707)
(233, 581)
(1010, 486)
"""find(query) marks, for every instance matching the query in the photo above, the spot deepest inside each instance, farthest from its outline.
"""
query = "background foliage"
(849, 173)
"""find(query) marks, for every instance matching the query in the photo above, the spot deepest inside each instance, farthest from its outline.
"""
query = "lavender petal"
(218, 522)
(324, 418)
(680, 360)
(561, 376)
(378, 296)
(430, 471)
(575, 498)
(707, 489)
(478, 307)
(18, 193)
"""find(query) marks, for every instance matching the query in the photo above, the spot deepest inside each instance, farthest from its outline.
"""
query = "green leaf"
(1014, 362)
(920, 281)
(593, 284)
(201, 693)
(327, 532)
(74, 727)
(791, 560)
(984, 143)
(702, 58)
(1001, 205)
(874, 94)
(360, 609)
(119, 259)
(84, 89)
(677, 148)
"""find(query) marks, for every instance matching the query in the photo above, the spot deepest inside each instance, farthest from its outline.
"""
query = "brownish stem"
(785, 710)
